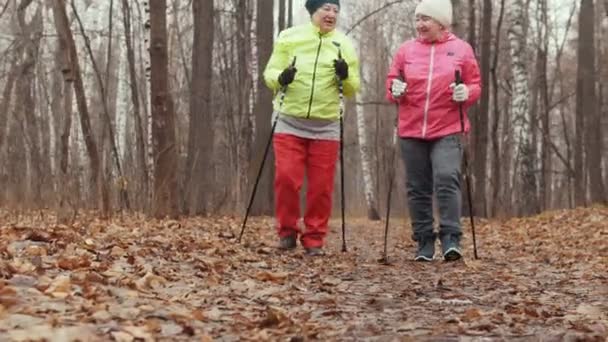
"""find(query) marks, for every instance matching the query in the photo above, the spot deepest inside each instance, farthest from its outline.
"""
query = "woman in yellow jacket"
(307, 134)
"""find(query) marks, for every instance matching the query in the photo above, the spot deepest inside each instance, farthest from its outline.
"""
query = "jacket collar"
(447, 35)
(317, 30)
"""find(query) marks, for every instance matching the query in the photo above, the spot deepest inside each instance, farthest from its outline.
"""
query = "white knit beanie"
(440, 10)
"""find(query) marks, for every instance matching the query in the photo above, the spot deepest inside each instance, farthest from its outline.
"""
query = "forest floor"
(135, 279)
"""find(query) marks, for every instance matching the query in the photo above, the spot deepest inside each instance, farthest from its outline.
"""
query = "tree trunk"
(586, 112)
(519, 104)
(140, 145)
(105, 99)
(459, 26)
(481, 115)
(546, 188)
(496, 165)
(30, 34)
(290, 13)
(71, 72)
(263, 109)
(199, 166)
(368, 180)
(163, 120)
(243, 86)
(281, 13)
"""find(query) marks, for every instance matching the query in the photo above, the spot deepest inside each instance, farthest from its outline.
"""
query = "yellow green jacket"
(314, 92)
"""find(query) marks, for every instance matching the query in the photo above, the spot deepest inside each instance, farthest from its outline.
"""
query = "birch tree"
(262, 111)
(366, 170)
(519, 105)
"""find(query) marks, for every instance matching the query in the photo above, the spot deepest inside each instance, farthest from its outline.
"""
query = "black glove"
(341, 68)
(287, 76)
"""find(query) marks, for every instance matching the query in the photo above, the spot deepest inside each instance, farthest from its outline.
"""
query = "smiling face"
(428, 28)
(326, 17)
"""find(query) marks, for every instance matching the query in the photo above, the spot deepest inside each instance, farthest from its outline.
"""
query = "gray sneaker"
(315, 251)
(450, 246)
(288, 242)
(426, 249)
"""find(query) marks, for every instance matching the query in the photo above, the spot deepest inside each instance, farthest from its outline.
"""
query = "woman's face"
(428, 28)
(326, 17)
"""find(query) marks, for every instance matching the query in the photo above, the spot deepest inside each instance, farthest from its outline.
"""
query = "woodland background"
(115, 113)
(157, 106)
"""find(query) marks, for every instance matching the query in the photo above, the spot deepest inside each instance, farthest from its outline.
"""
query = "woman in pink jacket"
(422, 81)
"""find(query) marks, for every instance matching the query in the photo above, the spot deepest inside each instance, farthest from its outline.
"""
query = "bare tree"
(137, 113)
(103, 88)
(481, 116)
(163, 121)
(262, 112)
(521, 113)
(199, 166)
(71, 71)
(588, 133)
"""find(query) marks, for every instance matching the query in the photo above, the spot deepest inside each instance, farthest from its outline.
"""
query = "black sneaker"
(426, 249)
(450, 245)
(315, 251)
(288, 242)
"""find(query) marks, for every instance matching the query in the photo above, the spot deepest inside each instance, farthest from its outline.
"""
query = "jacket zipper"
(428, 91)
(314, 75)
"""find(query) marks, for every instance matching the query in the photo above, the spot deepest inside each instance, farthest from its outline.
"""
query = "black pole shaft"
(391, 180)
(471, 208)
(391, 177)
(257, 180)
(388, 209)
(342, 197)
(466, 171)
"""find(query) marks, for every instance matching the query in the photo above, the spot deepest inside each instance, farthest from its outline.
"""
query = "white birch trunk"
(368, 179)
(522, 134)
(122, 103)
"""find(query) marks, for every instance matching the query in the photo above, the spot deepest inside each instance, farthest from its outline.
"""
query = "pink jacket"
(427, 110)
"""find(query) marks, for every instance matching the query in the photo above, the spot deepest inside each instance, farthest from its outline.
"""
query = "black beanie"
(313, 5)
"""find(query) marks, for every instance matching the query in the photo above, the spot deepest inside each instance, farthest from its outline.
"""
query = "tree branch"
(367, 16)
(4, 8)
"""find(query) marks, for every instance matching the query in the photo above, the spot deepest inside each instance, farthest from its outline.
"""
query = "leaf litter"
(137, 279)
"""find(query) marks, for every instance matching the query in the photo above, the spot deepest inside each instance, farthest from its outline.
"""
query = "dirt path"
(543, 277)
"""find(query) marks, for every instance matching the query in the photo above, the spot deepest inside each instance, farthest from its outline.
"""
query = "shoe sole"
(314, 253)
(452, 254)
(288, 245)
(422, 258)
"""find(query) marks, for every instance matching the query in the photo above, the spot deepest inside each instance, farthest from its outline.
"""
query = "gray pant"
(433, 166)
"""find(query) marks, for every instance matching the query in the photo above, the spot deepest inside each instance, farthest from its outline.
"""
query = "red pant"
(293, 157)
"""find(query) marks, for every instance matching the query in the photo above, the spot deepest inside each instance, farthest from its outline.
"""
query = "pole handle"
(457, 77)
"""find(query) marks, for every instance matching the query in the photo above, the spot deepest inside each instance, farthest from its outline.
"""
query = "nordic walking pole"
(341, 92)
(466, 169)
(391, 178)
(257, 180)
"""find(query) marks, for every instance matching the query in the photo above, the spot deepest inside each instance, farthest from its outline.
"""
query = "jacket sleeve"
(395, 71)
(279, 60)
(353, 82)
(471, 75)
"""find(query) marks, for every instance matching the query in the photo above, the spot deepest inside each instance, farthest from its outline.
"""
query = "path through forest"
(544, 277)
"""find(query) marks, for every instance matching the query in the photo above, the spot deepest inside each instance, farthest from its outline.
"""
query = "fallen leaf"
(274, 317)
(277, 277)
(72, 263)
(331, 281)
(470, 314)
(149, 281)
(60, 287)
